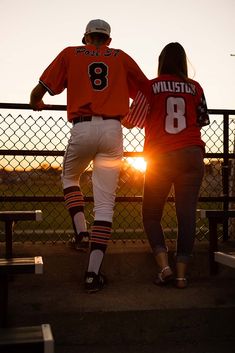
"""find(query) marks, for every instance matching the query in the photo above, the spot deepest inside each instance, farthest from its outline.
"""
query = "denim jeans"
(183, 169)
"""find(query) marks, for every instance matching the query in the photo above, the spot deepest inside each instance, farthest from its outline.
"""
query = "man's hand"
(37, 106)
(36, 96)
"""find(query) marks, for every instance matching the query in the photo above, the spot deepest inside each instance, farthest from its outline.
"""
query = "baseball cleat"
(94, 282)
(80, 241)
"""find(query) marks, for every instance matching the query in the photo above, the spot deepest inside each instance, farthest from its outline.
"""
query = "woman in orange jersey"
(174, 151)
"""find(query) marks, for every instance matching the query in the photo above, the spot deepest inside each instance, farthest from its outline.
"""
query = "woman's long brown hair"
(173, 61)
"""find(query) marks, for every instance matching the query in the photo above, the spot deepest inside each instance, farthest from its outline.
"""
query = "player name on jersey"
(91, 52)
(173, 86)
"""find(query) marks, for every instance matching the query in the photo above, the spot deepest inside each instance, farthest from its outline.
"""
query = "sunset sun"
(138, 163)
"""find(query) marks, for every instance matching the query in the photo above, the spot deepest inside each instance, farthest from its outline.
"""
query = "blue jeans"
(183, 169)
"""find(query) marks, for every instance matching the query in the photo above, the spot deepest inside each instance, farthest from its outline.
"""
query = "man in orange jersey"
(99, 82)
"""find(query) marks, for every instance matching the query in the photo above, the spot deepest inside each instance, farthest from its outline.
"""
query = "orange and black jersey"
(99, 81)
(172, 112)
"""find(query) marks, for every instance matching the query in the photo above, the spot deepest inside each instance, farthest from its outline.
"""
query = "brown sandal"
(181, 282)
(162, 279)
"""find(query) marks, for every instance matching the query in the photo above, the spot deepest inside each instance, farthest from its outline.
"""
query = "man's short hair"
(99, 37)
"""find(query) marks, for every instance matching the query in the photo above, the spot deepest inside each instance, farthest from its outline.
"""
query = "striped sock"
(100, 235)
(74, 202)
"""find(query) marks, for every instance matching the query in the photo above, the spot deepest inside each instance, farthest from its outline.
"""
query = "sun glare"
(138, 163)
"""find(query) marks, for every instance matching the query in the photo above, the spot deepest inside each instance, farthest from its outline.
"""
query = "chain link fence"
(32, 146)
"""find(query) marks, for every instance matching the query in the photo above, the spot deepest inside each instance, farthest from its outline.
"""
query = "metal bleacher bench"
(10, 218)
(216, 217)
(33, 339)
(15, 266)
(10, 265)
(18, 265)
(37, 339)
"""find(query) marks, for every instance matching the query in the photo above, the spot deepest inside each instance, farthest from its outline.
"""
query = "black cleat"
(94, 282)
(80, 241)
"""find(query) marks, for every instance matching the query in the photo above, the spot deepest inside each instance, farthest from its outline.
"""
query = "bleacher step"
(36, 339)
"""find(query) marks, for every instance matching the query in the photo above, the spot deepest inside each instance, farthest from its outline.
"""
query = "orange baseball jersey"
(99, 81)
(172, 112)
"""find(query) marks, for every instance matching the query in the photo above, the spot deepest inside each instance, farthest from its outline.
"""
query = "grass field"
(127, 224)
(56, 224)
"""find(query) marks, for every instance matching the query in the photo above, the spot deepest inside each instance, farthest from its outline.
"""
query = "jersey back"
(175, 109)
(98, 81)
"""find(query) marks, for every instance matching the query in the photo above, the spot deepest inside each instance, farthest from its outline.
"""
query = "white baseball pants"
(99, 141)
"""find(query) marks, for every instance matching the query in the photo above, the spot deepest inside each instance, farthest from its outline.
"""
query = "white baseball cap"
(97, 26)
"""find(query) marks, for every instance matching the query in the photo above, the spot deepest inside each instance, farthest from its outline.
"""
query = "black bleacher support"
(216, 217)
(10, 218)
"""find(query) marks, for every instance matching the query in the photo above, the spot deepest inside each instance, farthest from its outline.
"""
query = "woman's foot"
(164, 277)
(181, 282)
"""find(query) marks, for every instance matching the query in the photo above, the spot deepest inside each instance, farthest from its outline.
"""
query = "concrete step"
(131, 310)
(167, 347)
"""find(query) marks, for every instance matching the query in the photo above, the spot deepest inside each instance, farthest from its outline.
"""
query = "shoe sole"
(91, 291)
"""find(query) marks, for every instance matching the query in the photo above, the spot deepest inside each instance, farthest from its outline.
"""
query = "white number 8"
(175, 119)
